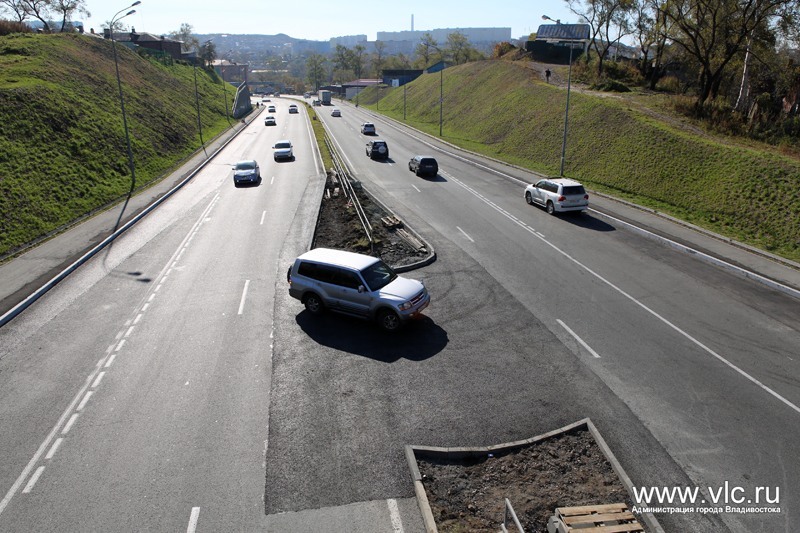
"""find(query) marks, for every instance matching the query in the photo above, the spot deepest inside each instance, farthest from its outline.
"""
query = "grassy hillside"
(62, 142)
(505, 110)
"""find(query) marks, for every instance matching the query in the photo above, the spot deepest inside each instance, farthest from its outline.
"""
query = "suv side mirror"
(361, 289)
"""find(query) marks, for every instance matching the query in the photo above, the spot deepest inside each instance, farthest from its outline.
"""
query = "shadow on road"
(587, 221)
(418, 340)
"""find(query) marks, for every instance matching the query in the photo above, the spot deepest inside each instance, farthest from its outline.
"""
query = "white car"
(269, 121)
(557, 195)
(336, 112)
(293, 109)
(368, 128)
(283, 150)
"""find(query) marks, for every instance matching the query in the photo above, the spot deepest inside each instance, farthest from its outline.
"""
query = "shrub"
(9, 26)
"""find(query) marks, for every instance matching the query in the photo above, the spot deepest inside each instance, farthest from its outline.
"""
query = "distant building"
(232, 73)
(406, 41)
(399, 77)
(553, 42)
(348, 41)
(147, 40)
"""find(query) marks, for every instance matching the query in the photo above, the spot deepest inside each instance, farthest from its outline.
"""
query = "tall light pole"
(566, 110)
(441, 96)
(116, 18)
(197, 98)
(404, 101)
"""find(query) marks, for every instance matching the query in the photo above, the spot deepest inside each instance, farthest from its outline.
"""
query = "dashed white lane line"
(655, 314)
(54, 448)
(69, 424)
(416, 188)
(263, 216)
(110, 360)
(98, 379)
(394, 514)
(85, 400)
(32, 481)
(120, 345)
(128, 333)
(244, 296)
(575, 336)
(193, 517)
(465, 234)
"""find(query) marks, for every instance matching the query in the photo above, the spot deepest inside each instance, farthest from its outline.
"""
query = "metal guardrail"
(343, 175)
(509, 512)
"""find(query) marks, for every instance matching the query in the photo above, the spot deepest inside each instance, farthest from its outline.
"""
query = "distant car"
(377, 150)
(421, 165)
(316, 102)
(283, 150)
(336, 113)
(293, 109)
(246, 171)
(266, 100)
(269, 120)
(271, 109)
(557, 195)
(368, 128)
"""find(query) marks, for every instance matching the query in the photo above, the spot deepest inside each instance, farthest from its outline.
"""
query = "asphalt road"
(172, 383)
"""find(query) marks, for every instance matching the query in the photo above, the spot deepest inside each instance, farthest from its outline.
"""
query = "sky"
(320, 20)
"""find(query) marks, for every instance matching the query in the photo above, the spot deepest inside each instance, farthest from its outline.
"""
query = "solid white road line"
(588, 348)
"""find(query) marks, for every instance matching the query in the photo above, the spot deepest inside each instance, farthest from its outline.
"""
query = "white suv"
(368, 128)
(355, 284)
(283, 150)
(557, 195)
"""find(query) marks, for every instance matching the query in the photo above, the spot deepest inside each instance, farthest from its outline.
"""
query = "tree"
(208, 53)
(315, 70)
(379, 57)
(188, 41)
(66, 9)
(458, 48)
(714, 32)
(604, 17)
(426, 49)
(358, 59)
(38, 9)
(17, 7)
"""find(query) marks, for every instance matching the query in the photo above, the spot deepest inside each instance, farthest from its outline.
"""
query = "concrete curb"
(412, 452)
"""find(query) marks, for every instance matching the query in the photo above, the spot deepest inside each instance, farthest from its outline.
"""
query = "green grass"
(62, 142)
(744, 190)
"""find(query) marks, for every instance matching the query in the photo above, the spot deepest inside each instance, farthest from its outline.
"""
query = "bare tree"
(66, 9)
(188, 41)
(379, 57)
(17, 7)
(38, 9)
(604, 17)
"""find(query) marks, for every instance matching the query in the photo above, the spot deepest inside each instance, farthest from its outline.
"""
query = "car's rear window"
(574, 189)
(427, 161)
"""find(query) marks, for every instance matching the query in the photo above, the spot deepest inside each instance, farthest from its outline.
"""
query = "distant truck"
(325, 97)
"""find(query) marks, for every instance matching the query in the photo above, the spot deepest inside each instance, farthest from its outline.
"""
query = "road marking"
(696, 342)
(588, 348)
(98, 379)
(415, 188)
(465, 234)
(54, 448)
(193, 520)
(120, 345)
(394, 514)
(33, 480)
(110, 360)
(71, 421)
(128, 333)
(244, 296)
(137, 319)
(84, 401)
(272, 180)
(263, 216)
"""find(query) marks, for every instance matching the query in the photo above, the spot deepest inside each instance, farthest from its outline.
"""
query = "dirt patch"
(338, 226)
(566, 470)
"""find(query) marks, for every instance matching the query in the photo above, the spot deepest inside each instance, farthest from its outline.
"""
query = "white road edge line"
(702, 346)
(588, 348)
(394, 514)
(465, 234)
(193, 520)
(244, 296)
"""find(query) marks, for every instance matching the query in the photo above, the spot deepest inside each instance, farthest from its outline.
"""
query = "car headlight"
(405, 306)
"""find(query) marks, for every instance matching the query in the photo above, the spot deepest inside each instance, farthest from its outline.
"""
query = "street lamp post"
(441, 97)
(116, 18)
(566, 110)
(404, 101)
(197, 100)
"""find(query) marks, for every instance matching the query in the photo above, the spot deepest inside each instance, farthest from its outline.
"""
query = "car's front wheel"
(314, 304)
(388, 320)
(528, 197)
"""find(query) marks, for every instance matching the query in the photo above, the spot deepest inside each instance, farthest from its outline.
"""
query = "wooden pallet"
(608, 518)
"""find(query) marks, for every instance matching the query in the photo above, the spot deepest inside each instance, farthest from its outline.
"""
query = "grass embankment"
(62, 142)
(504, 110)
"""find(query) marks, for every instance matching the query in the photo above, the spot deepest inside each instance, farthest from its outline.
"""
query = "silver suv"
(557, 195)
(355, 284)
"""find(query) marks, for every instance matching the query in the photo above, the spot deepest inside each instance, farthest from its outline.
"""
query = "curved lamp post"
(116, 18)
(197, 97)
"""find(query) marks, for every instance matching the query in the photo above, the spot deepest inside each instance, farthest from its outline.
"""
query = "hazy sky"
(320, 20)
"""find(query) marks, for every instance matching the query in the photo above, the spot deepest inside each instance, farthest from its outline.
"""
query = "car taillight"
(562, 198)
(585, 196)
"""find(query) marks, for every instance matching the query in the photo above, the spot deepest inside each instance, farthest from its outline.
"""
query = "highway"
(171, 382)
